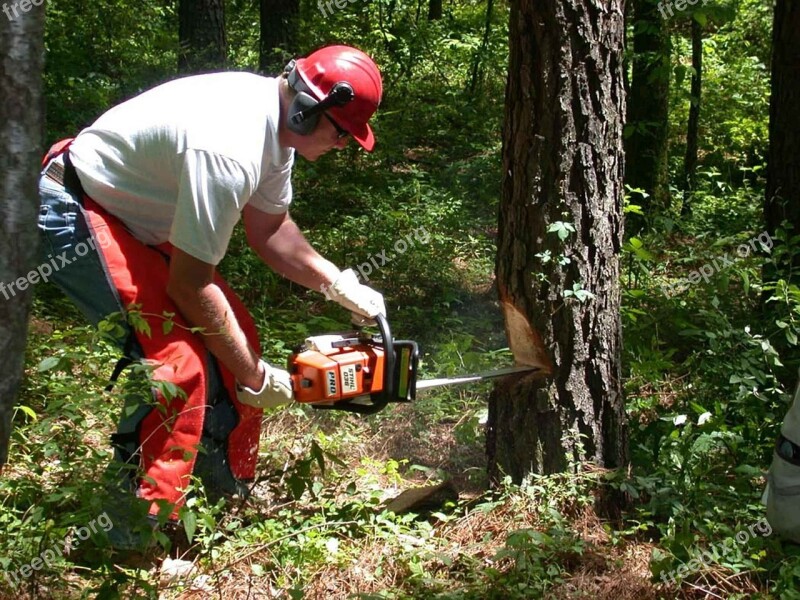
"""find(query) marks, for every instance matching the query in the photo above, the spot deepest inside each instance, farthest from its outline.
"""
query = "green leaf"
(297, 485)
(318, 456)
(48, 363)
(189, 524)
(139, 323)
(167, 326)
(28, 411)
(562, 228)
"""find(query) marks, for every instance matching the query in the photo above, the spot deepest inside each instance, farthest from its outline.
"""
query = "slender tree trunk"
(692, 130)
(278, 34)
(560, 234)
(201, 32)
(782, 202)
(21, 131)
(646, 143)
(434, 10)
(476, 64)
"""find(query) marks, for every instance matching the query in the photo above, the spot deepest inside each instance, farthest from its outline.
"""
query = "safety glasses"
(340, 133)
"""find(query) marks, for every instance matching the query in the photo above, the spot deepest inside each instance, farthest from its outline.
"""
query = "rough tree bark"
(21, 132)
(782, 201)
(201, 31)
(560, 234)
(648, 107)
(278, 34)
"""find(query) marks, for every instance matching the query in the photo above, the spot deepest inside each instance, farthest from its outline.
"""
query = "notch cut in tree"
(526, 345)
(560, 236)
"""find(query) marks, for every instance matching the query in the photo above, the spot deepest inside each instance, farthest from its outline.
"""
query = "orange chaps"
(164, 439)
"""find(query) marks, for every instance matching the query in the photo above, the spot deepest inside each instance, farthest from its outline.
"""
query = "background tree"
(559, 238)
(782, 201)
(480, 53)
(434, 10)
(693, 126)
(278, 40)
(201, 32)
(647, 129)
(21, 131)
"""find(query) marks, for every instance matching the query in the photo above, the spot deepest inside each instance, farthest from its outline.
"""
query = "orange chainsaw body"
(352, 371)
(346, 372)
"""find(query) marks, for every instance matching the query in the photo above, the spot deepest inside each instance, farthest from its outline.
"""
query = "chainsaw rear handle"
(382, 398)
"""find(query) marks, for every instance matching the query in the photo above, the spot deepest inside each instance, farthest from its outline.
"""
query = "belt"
(65, 175)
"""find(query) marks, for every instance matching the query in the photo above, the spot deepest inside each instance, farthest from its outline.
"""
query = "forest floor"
(334, 541)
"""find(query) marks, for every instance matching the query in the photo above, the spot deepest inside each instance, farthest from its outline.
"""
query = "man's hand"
(276, 389)
(364, 302)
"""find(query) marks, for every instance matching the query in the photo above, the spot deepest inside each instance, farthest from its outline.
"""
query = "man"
(156, 186)
(782, 493)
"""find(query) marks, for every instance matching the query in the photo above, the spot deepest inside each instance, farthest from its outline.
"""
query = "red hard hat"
(326, 67)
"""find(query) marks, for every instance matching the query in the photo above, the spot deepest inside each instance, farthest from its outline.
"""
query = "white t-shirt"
(179, 162)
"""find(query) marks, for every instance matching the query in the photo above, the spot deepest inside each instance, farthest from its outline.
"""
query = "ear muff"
(304, 111)
(302, 102)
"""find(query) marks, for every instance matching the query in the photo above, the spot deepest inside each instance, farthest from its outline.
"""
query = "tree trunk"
(278, 34)
(560, 234)
(434, 10)
(782, 202)
(646, 145)
(476, 63)
(692, 130)
(21, 131)
(201, 30)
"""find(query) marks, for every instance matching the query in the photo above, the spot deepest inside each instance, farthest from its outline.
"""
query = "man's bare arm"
(203, 304)
(280, 244)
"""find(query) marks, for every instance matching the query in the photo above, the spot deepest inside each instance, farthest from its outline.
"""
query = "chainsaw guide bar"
(361, 373)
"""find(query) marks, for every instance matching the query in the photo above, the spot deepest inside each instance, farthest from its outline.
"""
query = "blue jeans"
(67, 245)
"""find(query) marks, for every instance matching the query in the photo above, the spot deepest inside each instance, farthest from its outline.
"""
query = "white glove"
(276, 389)
(364, 302)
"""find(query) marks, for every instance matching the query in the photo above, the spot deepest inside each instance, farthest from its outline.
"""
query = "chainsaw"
(362, 373)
